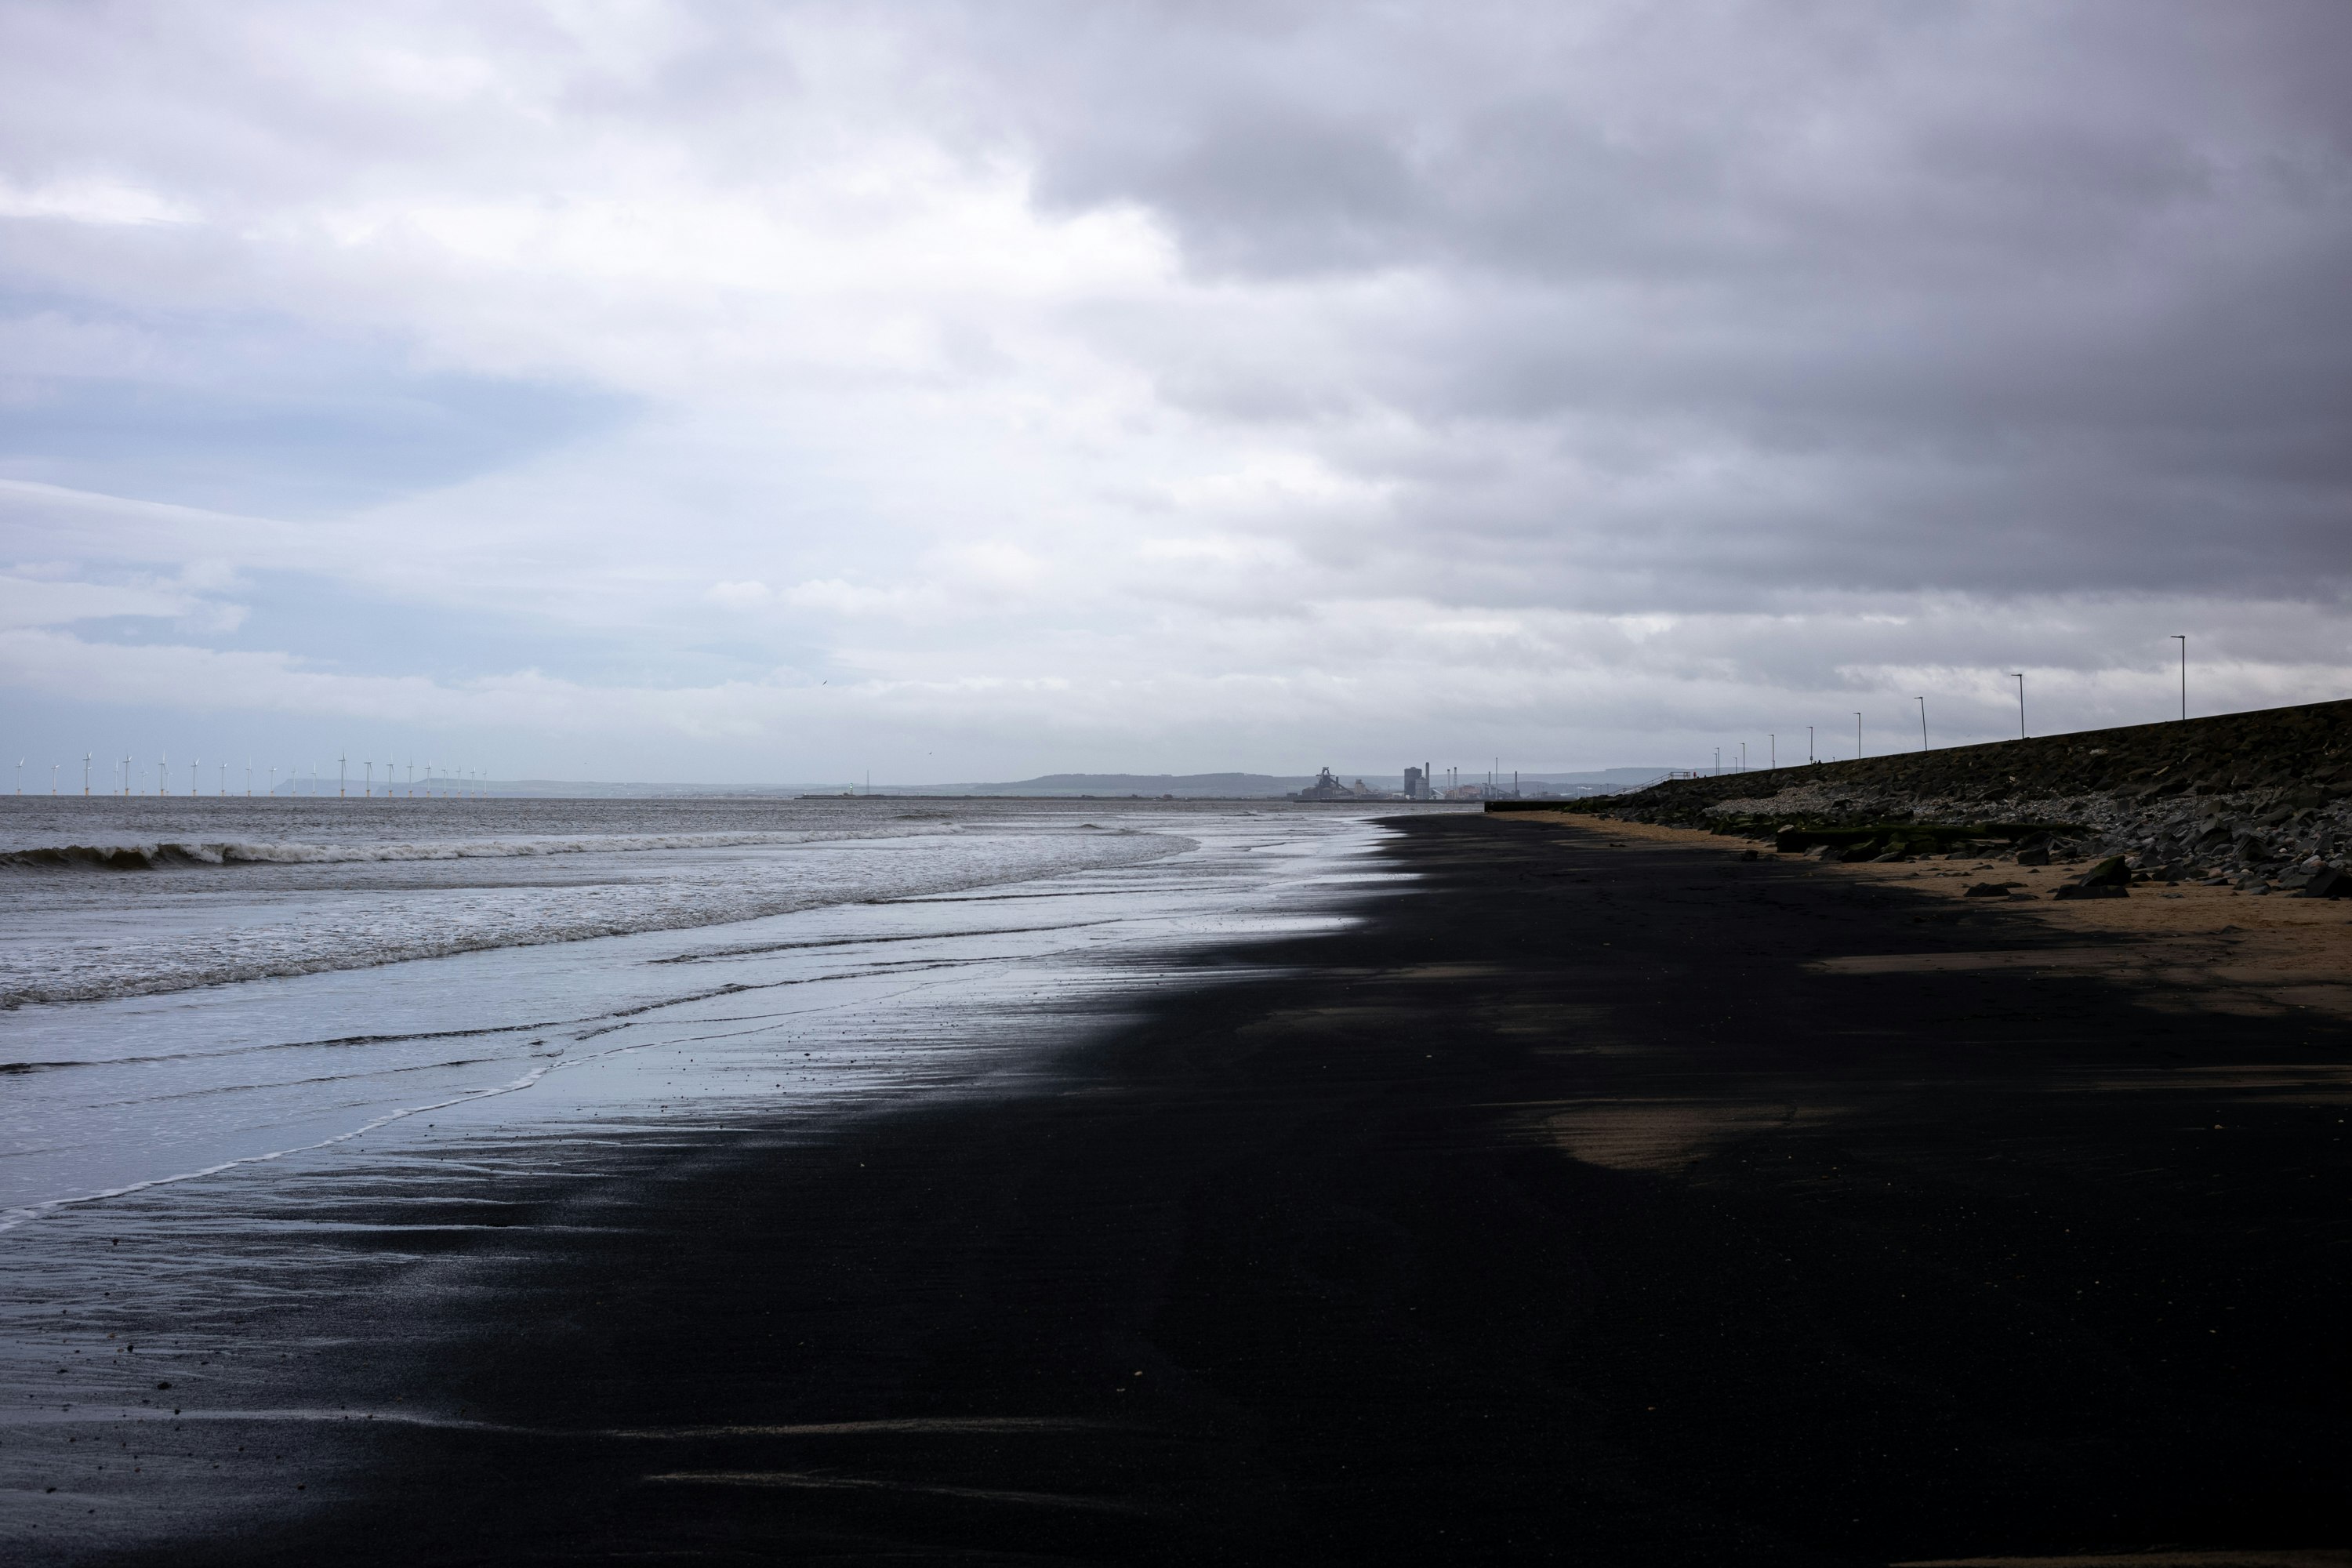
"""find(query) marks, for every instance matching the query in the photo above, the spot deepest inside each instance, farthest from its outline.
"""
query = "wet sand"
(1607, 1199)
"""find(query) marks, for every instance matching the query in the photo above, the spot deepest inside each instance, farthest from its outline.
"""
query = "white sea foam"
(79, 945)
(168, 853)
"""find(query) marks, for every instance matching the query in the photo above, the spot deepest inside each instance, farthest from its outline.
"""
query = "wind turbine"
(126, 775)
(163, 773)
(85, 775)
(343, 775)
(196, 786)
(53, 777)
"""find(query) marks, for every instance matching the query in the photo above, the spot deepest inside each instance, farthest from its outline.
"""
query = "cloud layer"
(771, 392)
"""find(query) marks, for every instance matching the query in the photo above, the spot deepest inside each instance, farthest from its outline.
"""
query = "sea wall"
(2259, 799)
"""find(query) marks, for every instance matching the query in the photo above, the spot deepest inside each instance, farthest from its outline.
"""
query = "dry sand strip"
(2191, 947)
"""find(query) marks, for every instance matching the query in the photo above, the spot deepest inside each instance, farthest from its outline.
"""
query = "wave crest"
(177, 852)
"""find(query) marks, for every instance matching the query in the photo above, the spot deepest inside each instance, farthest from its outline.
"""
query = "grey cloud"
(2030, 315)
(2023, 300)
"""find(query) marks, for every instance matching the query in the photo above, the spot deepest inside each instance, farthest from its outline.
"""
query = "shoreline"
(1575, 1204)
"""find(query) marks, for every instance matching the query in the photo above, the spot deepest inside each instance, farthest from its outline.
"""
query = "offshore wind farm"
(312, 779)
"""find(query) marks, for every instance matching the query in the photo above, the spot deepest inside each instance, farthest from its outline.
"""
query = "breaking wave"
(176, 853)
(359, 933)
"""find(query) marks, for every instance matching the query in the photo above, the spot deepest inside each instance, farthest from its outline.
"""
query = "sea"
(237, 1033)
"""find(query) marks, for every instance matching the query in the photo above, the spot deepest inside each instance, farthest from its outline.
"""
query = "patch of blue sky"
(339, 628)
(238, 411)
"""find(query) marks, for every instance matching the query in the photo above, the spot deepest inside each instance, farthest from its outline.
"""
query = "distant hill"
(1182, 786)
(1189, 787)
(1619, 777)
(1601, 775)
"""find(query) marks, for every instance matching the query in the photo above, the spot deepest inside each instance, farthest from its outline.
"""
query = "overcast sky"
(774, 392)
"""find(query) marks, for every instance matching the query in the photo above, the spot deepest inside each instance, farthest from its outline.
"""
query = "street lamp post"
(2018, 675)
(2183, 641)
(1923, 724)
(1857, 737)
(1809, 742)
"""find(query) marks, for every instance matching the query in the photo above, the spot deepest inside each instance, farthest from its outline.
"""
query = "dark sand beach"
(1572, 1207)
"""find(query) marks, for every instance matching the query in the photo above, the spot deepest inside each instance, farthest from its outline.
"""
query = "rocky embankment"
(2262, 800)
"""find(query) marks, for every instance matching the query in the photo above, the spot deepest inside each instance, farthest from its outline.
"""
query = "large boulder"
(2328, 883)
(2110, 878)
(2112, 872)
